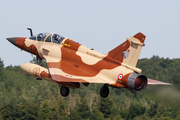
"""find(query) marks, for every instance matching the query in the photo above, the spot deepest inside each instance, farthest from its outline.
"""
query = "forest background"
(24, 97)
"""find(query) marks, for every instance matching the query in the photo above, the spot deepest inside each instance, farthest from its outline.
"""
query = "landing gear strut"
(104, 92)
(39, 62)
(64, 91)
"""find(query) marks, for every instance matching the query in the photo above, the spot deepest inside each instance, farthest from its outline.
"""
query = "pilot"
(43, 36)
(56, 38)
(40, 37)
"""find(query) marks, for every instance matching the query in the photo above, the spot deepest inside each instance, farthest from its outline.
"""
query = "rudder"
(129, 51)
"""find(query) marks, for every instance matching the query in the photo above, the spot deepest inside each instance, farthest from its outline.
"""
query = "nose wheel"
(64, 91)
(104, 92)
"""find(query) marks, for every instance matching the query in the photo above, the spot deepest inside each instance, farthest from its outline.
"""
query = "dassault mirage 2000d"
(70, 63)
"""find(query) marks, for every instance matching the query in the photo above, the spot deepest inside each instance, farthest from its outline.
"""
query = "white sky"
(98, 24)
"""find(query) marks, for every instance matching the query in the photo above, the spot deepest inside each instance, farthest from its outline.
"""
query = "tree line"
(24, 97)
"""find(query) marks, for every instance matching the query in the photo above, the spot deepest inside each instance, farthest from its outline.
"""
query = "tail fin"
(129, 51)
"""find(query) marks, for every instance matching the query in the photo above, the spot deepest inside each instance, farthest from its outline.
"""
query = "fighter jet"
(70, 63)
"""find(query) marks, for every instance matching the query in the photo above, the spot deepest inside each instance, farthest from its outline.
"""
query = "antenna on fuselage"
(30, 31)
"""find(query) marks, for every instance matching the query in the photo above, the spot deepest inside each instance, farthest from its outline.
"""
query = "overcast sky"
(98, 24)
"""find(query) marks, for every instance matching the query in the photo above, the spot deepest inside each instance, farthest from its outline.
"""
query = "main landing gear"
(64, 91)
(104, 92)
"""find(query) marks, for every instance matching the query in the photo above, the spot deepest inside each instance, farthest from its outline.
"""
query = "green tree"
(20, 112)
(23, 97)
(62, 110)
(153, 109)
(0, 117)
(135, 110)
(96, 114)
(1, 69)
(105, 106)
(44, 111)
(82, 111)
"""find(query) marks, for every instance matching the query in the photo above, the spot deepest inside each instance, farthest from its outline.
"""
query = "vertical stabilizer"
(129, 51)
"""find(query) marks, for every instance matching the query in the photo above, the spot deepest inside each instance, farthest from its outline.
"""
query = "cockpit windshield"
(57, 39)
(47, 37)
(42, 36)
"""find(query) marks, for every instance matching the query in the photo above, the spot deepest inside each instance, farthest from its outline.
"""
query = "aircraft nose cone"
(12, 40)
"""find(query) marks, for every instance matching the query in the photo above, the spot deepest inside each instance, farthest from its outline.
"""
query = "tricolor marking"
(120, 76)
(68, 75)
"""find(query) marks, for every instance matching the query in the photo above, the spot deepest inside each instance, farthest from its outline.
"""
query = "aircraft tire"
(64, 91)
(104, 92)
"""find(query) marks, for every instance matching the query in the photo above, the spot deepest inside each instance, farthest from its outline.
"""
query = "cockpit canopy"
(48, 37)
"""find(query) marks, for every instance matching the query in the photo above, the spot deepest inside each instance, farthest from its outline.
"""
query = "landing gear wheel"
(104, 92)
(64, 91)
(38, 78)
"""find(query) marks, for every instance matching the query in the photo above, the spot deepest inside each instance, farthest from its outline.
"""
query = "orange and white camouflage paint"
(70, 63)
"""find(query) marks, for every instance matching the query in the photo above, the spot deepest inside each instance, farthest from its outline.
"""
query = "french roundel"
(120, 76)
